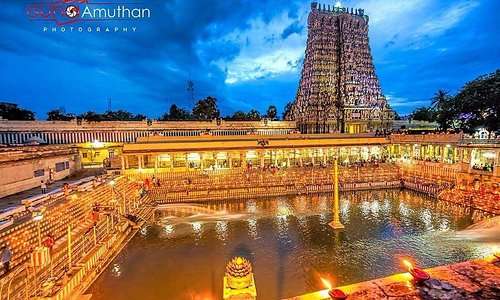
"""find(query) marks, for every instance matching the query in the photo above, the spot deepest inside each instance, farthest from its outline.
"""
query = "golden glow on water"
(289, 243)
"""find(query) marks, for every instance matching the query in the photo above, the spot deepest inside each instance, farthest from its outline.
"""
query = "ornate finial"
(239, 279)
(238, 268)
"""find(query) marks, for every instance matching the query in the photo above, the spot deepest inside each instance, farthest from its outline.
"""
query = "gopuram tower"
(339, 90)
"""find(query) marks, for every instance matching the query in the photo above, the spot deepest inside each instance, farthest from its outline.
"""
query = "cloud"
(237, 51)
(446, 20)
(402, 102)
(295, 27)
(261, 55)
(415, 23)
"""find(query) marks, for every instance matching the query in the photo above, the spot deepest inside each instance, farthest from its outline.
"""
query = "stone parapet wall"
(475, 279)
(7, 125)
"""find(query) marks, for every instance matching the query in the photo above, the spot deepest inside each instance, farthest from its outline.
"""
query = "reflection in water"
(252, 228)
(115, 270)
(444, 225)
(221, 229)
(197, 230)
(169, 229)
(289, 243)
(427, 219)
(344, 209)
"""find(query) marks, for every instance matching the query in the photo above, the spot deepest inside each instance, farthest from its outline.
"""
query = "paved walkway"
(15, 199)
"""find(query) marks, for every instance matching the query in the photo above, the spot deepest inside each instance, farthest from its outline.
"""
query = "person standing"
(43, 186)
(6, 256)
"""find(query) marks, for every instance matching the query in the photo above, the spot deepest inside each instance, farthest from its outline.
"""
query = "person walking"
(43, 186)
(6, 256)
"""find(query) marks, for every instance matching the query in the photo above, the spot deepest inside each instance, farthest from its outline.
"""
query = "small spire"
(338, 4)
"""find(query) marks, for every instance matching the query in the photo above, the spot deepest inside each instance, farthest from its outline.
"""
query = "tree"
(445, 111)
(253, 115)
(59, 115)
(396, 115)
(206, 109)
(119, 115)
(140, 117)
(478, 103)
(110, 115)
(423, 114)
(91, 116)
(238, 116)
(176, 113)
(122, 115)
(11, 111)
(272, 112)
(287, 110)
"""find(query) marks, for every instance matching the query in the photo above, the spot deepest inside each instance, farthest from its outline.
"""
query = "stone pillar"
(186, 159)
(243, 161)
(496, 164)
(126, 162)
(261, 155)
(156, 162)
(123, 162)
(230, 159)
(324, 156)
(288, 158)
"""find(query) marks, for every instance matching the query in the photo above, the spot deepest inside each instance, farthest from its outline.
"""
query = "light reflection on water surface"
(289, 243)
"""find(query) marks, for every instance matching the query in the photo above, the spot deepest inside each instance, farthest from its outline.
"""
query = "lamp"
(335, 294)
(418, 275)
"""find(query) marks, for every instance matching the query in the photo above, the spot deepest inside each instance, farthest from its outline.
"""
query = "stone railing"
(471, 141)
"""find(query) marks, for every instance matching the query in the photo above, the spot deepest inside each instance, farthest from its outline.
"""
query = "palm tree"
(440, 99)
(445, 112)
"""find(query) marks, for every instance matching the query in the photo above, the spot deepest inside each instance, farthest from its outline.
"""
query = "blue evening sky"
(247, 53)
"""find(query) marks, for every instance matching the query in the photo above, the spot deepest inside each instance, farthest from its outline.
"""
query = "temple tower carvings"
(338, 89)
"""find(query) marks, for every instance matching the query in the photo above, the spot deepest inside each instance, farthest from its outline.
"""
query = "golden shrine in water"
(238, 280)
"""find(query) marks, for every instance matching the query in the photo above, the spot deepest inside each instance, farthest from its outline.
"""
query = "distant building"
(339, 90)
(25, 167)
